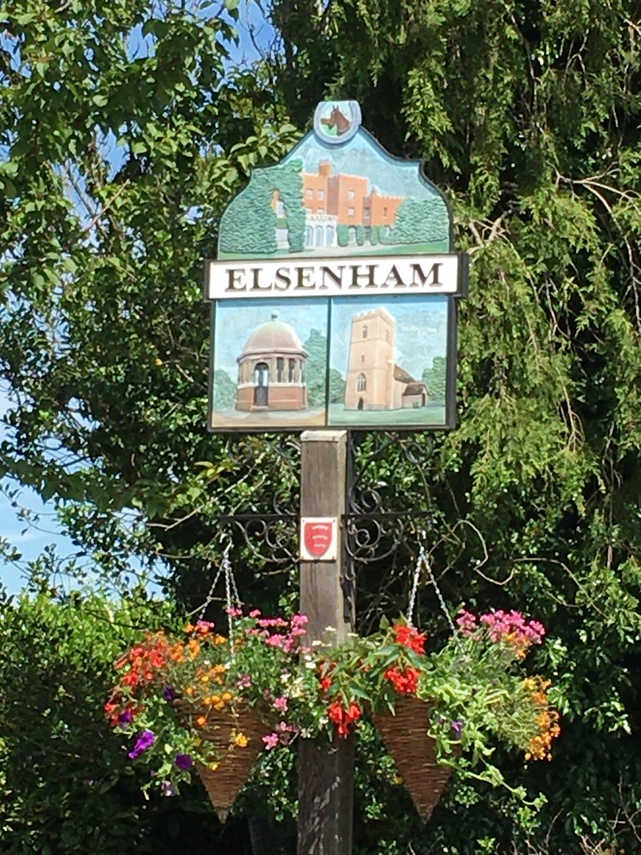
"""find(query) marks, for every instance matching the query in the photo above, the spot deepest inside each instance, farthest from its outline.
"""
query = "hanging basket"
(405, 737)
(234, 762)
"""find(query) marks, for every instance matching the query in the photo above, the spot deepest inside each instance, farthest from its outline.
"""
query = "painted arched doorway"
(261, 384)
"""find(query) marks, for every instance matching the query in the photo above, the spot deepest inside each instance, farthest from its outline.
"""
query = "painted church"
(374, 380)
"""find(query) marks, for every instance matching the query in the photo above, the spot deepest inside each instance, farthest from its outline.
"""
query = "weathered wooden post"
(325, 772)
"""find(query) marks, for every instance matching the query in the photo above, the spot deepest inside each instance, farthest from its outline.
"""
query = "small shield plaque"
(318, 538)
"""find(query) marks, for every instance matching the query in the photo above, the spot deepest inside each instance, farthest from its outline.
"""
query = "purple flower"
(125, 717)
(169, 694)
(166, 789)
(183, 761)
(145, 741)
(457, 728)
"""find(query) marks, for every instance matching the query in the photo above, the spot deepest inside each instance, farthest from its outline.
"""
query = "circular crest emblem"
(336, 122)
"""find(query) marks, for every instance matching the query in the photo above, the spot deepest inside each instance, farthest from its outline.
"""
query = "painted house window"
(321, 194)
(350, 195)
(350, 211)
(309, 193)
(361, 383)
(280, 367)
(292, 366)
(385, 212)
(365, 331)
(320, 210)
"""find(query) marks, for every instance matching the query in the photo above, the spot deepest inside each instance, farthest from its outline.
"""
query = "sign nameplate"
(332, 277)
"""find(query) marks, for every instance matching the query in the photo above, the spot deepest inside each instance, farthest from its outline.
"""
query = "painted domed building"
(271, 369)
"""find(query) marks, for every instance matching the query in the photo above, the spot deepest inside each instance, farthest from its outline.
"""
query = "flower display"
(171, 689)
(474, 685)
(259, 666)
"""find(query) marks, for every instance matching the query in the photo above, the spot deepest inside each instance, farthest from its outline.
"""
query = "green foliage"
(342, 234)
(421, 221)
(336, 386)
(224, 391)
(249, 223)
(435, 378)
(64, 786)
(316, 368)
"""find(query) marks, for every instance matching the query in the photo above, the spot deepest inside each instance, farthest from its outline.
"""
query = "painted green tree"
(224, 391)
(249, 223)
(435, 378)
(316, 368)
(421, 221)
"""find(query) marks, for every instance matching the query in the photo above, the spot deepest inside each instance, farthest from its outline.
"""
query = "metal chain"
(423, 561)
(231, 591)
(417, 574)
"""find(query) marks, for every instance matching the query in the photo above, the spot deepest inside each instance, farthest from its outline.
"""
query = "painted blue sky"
(362, 155)
(236, 320)
(421, 329)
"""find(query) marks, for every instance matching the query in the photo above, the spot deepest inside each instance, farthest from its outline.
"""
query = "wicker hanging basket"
(405, 737)
(234, 762)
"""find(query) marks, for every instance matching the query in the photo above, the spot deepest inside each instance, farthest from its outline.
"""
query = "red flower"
(410, 637)
(405, 682)
(326, 683)
(342, 717)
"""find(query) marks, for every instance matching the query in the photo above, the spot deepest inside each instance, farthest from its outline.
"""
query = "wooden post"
(325, 772)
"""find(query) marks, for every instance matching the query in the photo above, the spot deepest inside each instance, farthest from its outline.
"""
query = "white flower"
(311, 665)
(330, 629)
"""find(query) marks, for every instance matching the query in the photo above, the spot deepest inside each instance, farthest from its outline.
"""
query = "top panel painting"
(337, 193)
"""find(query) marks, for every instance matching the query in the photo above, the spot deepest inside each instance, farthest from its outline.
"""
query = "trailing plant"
(474, 685)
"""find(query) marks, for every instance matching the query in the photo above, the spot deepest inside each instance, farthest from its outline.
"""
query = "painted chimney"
(324, 169)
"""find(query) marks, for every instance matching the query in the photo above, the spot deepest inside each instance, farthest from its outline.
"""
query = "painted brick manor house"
(339, 200)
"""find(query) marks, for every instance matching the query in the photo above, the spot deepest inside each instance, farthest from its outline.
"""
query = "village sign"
(334, 291)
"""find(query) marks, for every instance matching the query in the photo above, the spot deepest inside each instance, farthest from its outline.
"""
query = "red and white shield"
(318, 538)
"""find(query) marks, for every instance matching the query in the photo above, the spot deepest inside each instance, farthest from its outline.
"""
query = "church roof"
(414, 389)
(273, 337)
(402, 375)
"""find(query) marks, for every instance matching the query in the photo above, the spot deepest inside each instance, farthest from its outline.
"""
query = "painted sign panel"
(334, 291)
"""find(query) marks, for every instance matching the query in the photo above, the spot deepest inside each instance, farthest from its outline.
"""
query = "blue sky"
(27, 523)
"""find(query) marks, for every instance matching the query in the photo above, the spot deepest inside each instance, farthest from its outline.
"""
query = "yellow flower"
(189, 690)
(241, 740)
(227, 696)
(212, 766)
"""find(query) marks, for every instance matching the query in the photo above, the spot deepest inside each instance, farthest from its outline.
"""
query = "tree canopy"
(125, 130)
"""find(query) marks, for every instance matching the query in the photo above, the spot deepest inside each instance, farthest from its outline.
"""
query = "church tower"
(370, 370)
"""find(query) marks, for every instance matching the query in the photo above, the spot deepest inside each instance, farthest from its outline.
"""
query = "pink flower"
(466, 622)
(281, 704)
(271, 741)
(255, 613)
(234, 612)
(299, 620)
(244, 681)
